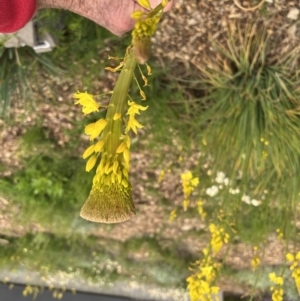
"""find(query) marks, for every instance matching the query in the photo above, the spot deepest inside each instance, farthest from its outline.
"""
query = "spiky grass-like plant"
(252, 121)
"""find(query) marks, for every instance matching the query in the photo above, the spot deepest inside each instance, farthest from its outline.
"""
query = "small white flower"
(255, 202)
(220, 177)
(234, 191)
(209, 172)
(212, 191)
(266, 191)
(220, 186)
(246, 199)
(226, 181)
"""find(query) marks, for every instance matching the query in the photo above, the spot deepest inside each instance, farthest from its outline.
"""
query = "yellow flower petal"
(91, 163)
(117, 116)
(115, 167)
(137, 14)
(290, 257)
(126, 155)
(144, 3)
(121, 148)
(186, 176)
(99, 146)
(94, 129)
(88, 151)
(87, 101)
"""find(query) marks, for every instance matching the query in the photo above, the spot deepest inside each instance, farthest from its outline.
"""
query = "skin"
(114, 15)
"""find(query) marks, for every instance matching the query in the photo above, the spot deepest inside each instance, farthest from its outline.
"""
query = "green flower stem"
(118, 102)
(156, 10)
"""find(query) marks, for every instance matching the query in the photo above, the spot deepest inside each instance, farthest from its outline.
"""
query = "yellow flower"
(144, 3)
(200, 209)
(134, 108)
(90, 150)
(188, 183)
(133, 124)
(295, 267)
(255, 262)
(144, 28)
(290, 257)
(186, 176)
(161, 176)
(137, 15)
(186, 204)
(277, 295)
(89, 105)
(201, 290)
(276, 279)
(279, 234)
(95, 129)
(219, 237)
(173, 215)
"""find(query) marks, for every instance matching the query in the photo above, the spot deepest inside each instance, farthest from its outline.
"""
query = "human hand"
(114, 15)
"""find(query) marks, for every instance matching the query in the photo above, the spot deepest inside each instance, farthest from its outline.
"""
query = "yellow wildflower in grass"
(201, 290)
(277, 290)
(200, 209)
(218, 238)
(279, 234)
(255, 261)
(161, 176)
(173, 215)
(201, 284)
(189, 183)
(295, 268)
(186, 204)
(276, 279)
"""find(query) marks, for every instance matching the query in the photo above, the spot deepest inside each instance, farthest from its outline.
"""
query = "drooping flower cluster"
(277, 290)
(189, 183)
(201, 284)
(295, 268)
(89, 105)
(110, 199)
(219, 237)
